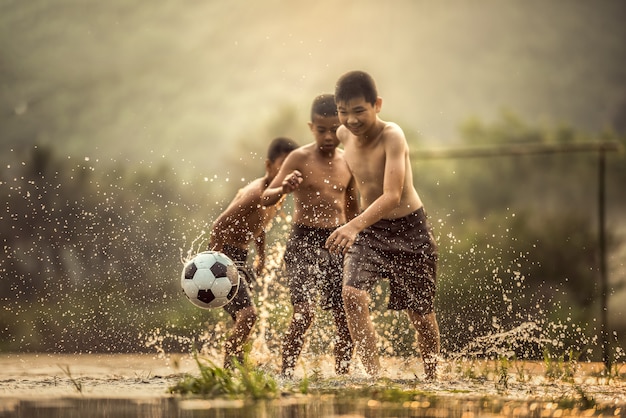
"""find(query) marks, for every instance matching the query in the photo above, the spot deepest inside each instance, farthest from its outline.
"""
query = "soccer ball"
(210, 280)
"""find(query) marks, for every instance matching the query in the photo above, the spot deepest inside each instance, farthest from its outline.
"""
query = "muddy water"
(120, 385)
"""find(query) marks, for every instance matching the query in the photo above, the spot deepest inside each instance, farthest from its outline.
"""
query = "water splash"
(89, 262)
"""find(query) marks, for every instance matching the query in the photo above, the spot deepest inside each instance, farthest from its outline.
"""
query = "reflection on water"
(137, 386)
(88, 407)
(291, 407)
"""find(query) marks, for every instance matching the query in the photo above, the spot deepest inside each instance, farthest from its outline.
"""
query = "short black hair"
(324, 105)
(280, 146)
(356, 84)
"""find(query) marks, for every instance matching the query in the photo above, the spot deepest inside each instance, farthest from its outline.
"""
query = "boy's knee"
(347, 292)
(425, 324)
(352, 295)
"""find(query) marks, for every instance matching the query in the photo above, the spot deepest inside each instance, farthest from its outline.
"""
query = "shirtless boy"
(243, 222)
(391, 237)
(324, 198)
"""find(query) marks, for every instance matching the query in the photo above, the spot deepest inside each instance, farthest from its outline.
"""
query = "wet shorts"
(312, 270)
(402, 250)
(243, 298)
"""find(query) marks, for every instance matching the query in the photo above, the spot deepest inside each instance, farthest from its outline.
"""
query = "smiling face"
(358, 115)
(324, 129)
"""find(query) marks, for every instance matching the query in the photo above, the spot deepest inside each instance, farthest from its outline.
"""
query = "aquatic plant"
(523, 374)
(560, 368)
(314, 377)
(77, 384)
(242, 381)
(502, 371)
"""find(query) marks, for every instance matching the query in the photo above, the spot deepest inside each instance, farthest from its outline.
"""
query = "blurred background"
(126, 126)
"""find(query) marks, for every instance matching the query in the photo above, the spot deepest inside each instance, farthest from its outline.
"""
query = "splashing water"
(90, 266)
(87, 258)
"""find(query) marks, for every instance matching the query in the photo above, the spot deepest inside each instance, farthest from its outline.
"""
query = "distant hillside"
(182, 81)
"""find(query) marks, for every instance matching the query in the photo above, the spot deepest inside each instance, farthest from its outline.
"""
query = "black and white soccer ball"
(210, 280)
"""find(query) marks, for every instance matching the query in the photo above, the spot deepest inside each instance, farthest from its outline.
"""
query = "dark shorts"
(313, 272)
(402, 250)
(242, 299)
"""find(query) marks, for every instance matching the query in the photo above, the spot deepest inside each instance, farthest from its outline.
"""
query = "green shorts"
(402, 250)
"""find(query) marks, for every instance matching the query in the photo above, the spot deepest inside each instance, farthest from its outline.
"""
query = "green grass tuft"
(242, 381)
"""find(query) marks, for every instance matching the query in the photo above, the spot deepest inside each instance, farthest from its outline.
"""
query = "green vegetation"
(78, 385)
(92, 253)
(249, 384)
(241, 381)
(561, 368)
(521, 232)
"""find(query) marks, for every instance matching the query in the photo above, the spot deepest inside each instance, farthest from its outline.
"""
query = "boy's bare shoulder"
(393, 128)
(393, 134)
(253, 190)
(308, 149)
(342, 133)
(300, 154)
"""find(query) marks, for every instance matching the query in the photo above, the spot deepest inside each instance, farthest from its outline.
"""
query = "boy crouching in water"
(243, 222)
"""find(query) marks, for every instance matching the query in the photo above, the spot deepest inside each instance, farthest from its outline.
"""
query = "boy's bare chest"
(366, 163)
(326, 174)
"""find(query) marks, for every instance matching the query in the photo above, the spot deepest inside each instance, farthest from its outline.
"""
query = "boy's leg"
(356, 304)
(294, 338)
(244, 322)
(427, 340)
(343, 343)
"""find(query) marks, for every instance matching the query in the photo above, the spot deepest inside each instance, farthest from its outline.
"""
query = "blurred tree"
(92, 253)
(519, 232)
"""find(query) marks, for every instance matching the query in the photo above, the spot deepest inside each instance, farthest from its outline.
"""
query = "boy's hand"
(341, 239)
(292, 181)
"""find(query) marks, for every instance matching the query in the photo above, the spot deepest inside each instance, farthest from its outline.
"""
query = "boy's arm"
(393, 183)
(286, 181)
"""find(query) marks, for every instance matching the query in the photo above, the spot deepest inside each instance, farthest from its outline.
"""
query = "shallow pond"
(308, 407)
(120, 385)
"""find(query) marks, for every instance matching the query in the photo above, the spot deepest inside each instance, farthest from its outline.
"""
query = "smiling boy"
(391, 237)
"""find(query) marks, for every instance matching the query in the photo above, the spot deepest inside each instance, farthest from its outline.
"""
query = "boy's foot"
(430, 370)
(342, 367)
(286, 374)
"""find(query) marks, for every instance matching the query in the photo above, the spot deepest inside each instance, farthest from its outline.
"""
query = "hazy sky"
(135, 80)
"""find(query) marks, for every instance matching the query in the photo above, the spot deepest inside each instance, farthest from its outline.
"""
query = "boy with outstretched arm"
(324, 198)
(391, 237)
(243, 222)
